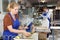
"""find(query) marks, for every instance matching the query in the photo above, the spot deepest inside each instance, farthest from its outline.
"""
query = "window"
(5, 4)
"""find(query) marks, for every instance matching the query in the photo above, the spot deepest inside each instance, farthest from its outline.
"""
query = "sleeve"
(7, 21)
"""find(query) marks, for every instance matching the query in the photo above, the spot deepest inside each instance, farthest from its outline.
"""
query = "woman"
(11, 23)
(47, 15)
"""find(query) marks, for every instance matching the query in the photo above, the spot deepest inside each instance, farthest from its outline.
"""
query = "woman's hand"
(21, 27)
(25, 27)
(27, 34)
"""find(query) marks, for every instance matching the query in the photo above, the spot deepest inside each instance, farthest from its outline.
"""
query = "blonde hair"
(11, 6)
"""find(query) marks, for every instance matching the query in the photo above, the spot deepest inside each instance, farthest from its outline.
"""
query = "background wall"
(1, 18)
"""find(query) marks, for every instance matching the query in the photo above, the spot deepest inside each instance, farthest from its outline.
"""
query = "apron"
(45, 14)
(7, 35)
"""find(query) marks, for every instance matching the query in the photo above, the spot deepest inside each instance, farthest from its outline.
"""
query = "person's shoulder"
(7, 15)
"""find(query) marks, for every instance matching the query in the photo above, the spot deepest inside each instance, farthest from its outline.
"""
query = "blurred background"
(32, 8)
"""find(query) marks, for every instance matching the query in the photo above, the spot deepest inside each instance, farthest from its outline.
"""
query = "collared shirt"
(13, 16)
(8, 21)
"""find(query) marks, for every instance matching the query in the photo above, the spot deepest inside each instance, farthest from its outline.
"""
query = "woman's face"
(46, 10)
(15, 10)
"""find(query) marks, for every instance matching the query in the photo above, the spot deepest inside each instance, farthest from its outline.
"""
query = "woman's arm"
(14, 30)
(18, 31)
